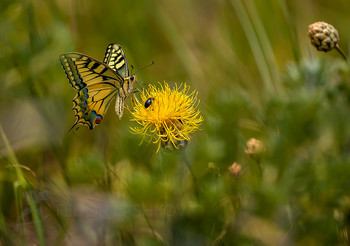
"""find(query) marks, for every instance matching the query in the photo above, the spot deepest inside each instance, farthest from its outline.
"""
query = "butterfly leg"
(137, 90)
(138, 82)
(135, 97)
(129, 108)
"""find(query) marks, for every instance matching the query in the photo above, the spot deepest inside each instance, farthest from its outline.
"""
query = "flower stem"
(337, 47)
(188, 164)
(259, 167)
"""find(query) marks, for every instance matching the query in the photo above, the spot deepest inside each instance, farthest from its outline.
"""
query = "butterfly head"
(130, 83)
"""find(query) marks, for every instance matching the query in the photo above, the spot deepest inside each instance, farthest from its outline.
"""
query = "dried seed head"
(323, 36)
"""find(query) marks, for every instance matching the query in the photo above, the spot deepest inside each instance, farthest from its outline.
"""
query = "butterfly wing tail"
(75, 124)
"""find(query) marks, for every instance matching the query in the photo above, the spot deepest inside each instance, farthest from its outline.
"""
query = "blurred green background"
(257, 76)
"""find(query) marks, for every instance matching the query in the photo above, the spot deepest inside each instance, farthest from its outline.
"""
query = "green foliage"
(257, 76)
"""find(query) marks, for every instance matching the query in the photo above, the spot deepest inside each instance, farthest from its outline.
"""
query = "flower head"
(254, 146)
(235, 169)
(167, 116)
(323, 36)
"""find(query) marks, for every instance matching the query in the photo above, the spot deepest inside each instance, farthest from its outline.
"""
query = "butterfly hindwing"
(115, 59)
(91, 103)
(96, 83)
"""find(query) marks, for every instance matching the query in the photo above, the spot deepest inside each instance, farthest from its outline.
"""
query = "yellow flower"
(167, 116)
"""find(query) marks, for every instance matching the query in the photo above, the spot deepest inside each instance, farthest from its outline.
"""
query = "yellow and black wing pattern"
(97, 84)
(115, 59)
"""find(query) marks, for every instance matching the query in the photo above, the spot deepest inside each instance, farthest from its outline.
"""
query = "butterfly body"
(98, 83)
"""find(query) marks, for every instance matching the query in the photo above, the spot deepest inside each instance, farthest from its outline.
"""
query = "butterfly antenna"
(138, 82)
(144, 67)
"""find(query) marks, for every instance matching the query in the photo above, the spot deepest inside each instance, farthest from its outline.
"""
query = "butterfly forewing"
(115, 59)
(82, 70)
(96, 83)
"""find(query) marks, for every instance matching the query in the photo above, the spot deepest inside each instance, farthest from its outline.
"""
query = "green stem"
(259, 167)
(254, 45)
(22, 183)
(341, 52)
(194, 180)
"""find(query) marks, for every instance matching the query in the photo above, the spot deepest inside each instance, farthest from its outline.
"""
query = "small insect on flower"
(148, 102)
(167, 116)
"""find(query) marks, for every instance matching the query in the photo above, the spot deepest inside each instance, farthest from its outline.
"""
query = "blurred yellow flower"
(167, 116)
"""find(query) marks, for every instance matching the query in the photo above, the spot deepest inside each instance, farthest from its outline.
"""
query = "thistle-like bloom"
(254, 146)
(324, 37)
(167, 116)
(235, 169)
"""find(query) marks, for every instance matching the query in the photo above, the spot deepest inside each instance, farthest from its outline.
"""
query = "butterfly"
(98, 83)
